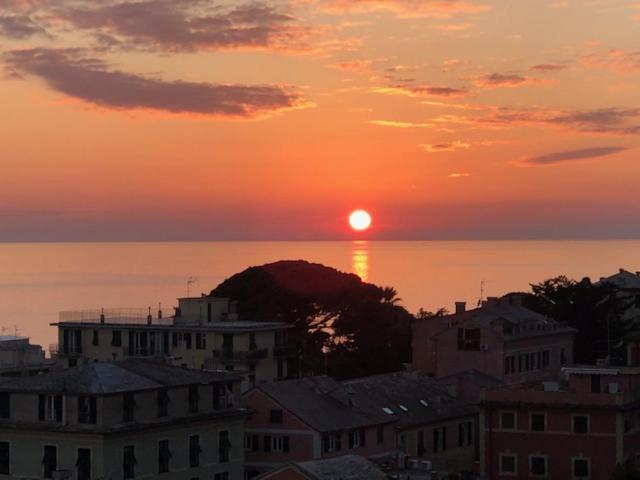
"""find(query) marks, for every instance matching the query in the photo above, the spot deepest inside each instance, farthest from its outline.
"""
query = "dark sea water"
(37, 280)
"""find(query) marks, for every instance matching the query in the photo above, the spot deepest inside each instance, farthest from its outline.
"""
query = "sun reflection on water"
(360, 259)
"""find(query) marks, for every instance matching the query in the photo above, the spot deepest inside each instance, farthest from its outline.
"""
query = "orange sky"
(166, 120)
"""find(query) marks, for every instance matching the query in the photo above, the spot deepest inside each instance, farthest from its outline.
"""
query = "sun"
(360, 220)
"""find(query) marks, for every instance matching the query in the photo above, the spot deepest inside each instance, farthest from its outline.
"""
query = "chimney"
(461, 307)
(149, 317)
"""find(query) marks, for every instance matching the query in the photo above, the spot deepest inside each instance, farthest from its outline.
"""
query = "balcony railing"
(229, 355)
(113, 315)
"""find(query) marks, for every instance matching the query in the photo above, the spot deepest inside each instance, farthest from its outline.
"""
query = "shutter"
(267, 443)
(41, 403)
(351, 439)
(285, 444)
(338, 442)
(57, 407)
(363, 436)
(78, 340)
(255, 443)
(93, 410)
(325, 443)
(461, 434)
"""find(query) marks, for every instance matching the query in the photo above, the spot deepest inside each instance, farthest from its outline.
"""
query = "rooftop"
(346, 467)
(623, 279)
(414, 398)
(106, 378)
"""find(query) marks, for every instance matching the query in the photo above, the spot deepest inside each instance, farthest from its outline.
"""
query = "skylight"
(403, 408)
(387, 410)
(424, 403)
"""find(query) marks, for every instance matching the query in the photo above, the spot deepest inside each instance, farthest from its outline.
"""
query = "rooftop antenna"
(190, 281)
(483, 283)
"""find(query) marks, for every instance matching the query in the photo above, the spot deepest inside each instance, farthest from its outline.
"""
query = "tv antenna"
(483, 284)
(190, 281)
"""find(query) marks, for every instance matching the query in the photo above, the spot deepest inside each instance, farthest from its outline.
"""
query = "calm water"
(39, 280)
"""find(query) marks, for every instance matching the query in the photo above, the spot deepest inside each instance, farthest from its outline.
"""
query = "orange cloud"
(405, 8)
(445, 147)
(395, 124)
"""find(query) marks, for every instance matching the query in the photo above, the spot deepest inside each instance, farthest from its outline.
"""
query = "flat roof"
(235, 326)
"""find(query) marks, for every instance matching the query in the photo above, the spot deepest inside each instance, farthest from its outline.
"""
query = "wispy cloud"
(459, 175)
(19, 26)
(445, 147)
(548, 67)
(556, 158)
(613, 59)
(416, 90)
(405, 8)
(500, 80)
(91, 80)
(396, 124)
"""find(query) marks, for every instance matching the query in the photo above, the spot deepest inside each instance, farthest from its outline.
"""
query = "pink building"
(501, 339)
(577, 428)
(378, 418)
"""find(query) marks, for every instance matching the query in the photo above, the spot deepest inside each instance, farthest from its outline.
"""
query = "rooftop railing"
(114, 315)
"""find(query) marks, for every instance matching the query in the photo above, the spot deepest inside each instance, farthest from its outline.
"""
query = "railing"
(112, 315)
(240, 355)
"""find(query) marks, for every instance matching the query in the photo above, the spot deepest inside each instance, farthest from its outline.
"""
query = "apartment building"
(204, 333)
(20, 357)
(383, 418)
(122, 420)
(501, 339)
(578, 427)
(352, 467)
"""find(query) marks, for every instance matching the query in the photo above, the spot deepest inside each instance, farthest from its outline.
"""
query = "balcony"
(240, 356)
(285, 351)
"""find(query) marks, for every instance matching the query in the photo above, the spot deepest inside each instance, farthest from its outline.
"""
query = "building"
(430, 424)
(19, 357)
(579, 427)
(122, 420)
(352, 467)
(626, 286)
(309, 419)
(501, 339)
(384, 418)
(204, 333)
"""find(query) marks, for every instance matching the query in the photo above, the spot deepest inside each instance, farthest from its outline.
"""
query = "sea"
(38, 280)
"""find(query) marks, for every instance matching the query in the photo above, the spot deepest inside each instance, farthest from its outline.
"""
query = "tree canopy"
(344, 326)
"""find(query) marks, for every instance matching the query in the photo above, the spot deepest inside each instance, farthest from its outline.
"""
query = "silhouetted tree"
(344, 326)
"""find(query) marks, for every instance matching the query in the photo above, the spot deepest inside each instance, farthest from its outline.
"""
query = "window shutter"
(338, 442)
(285, 444)
(267, 443)
(93, 410)
(41, 401)
(325, 443)
(351, 440)
(255, 443)
(363, 435)
(57, 406)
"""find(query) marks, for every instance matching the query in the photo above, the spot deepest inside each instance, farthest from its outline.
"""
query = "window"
(187, 340)
(50, 408)
(222, 396)
(280, 444)
(248, 442)
(164, 456)
(545, 359)
(128, 407)
(194, 450)
(595, 384)
(49, 461)
(116, 338)
(163, 403)
(538, 466)
(356, 439)
(538, 422)
(224, 445)
(421, 448)
(509, 365)
(221, 476)
(508, 464)
(563, 356)
(275, 416)
(194, 398)
(380, 434)
(83, 464)
(581, 468)
(465, 434)
(280, 368)
(129, 462)
(5, 458)
(580, 424)
(5, 405)
(331, 443)
(468, 339)
(439, 439)
(507, 421)
(94, 339)
(201, 341)
(87, 410)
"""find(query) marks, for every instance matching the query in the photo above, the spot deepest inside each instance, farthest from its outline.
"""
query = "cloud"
(396, 124)
(498, 80)
(413, 90)
(405, 8)
(571, 156)
(19, 26)
(610, 121)
(91, 80)
(613, 59)
(353, 65)
(445, 147)
(548, 67)
(459, 175)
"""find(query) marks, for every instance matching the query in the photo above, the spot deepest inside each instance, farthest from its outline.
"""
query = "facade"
(204, 333)
(577, 428)
(385, 418)
(122, 420)
(19, 357)
(353, 467)
(501, 339)
(627, 289)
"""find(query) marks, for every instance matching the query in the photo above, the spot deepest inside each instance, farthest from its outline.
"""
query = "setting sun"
(360, 220)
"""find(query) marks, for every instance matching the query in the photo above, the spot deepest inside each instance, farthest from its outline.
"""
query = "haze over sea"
(37, 280)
